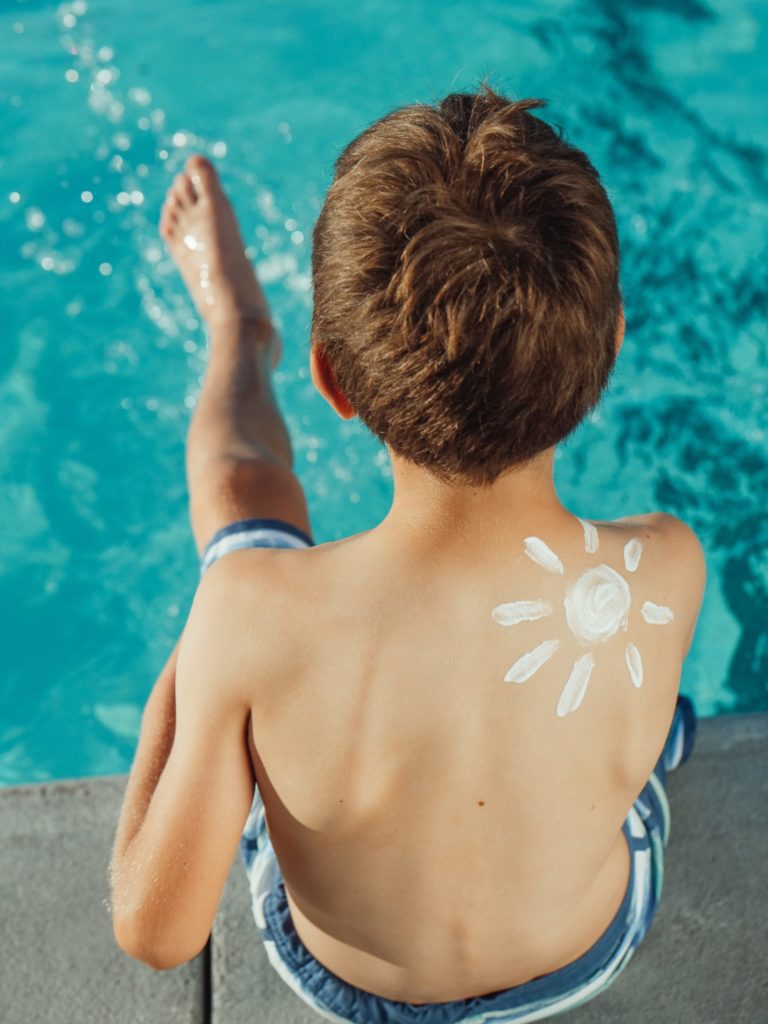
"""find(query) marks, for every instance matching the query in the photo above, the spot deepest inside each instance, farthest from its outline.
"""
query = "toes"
(169, 217)
(182, 191)
(185, 189)
(202, 173)
(167, 229)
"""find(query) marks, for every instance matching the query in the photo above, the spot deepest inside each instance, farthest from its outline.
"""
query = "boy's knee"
(228, 489)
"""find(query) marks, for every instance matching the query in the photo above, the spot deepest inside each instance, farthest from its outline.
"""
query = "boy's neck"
(425, 507)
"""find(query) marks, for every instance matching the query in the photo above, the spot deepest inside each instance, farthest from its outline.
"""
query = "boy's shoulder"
(674, 553)
(252, 598)
(673, 538)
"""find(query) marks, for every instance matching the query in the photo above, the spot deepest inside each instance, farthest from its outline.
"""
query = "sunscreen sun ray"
(576, 685)
(531, 662)
(632, 551)
(656, 614)
(542, 554)
(635, 665)
(520, 611)
(591, 540)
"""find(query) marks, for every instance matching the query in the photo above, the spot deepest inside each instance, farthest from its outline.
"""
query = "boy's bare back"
(444, 833)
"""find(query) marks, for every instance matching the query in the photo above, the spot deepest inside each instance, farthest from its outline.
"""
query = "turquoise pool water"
(101, 353)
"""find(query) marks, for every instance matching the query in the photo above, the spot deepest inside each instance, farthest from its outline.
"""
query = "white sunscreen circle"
(597, 604)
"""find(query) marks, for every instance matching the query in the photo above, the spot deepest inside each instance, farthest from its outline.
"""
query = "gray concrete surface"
(705, 960)
(59, 962)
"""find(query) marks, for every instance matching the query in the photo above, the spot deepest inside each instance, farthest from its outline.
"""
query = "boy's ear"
(325, 382)
(620, 330)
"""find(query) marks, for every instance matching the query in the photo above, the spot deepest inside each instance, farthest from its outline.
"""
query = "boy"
(455, 724)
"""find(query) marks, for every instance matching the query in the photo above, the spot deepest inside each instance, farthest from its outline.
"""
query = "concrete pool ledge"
(705, 960)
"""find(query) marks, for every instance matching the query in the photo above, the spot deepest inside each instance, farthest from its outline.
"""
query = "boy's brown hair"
(465, 270)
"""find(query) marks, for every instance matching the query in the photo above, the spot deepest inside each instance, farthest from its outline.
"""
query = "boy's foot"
(199, 227)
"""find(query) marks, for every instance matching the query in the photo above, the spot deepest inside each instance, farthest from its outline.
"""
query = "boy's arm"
(189, 793)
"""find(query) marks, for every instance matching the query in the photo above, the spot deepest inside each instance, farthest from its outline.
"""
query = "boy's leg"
(239, 457)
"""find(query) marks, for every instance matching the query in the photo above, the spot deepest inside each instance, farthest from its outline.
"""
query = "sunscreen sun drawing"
(596, 606)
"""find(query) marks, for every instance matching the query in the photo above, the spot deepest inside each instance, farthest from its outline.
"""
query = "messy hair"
(465, 269)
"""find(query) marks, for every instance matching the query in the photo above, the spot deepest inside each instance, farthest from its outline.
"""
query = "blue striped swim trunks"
(252, 533)
(646, 828)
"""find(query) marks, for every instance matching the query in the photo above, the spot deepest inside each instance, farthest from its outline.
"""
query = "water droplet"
(15, 197)
(34, 217)
(105, 269)
(140, 96)
(72, 228)
(639, 224)
(87, 197)
(219, 149)
(71, 75)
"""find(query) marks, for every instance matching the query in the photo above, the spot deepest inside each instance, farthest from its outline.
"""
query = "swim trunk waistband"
(256, 532)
